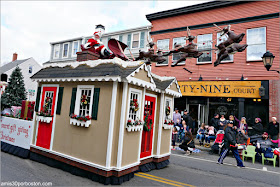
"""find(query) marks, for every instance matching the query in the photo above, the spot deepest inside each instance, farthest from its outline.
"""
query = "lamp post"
(267, 59)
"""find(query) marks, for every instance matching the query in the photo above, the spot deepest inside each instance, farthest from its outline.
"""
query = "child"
(209, 134)
(174, 135)
(184, 130)
(200, 134)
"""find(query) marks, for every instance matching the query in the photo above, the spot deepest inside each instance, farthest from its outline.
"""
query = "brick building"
(233, 86)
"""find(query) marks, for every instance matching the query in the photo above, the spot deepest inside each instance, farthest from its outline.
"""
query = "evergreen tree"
(15, 91)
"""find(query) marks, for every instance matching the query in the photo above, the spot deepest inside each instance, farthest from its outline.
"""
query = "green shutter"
(128, 40)
(73, 101)
(38, 99)
(59, 100)
(142, 39)
(95, 103)
(120, 38)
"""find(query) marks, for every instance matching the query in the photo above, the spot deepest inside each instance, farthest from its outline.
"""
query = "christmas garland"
(84, 100)
(134, 105)
(148, 123)
(167, 111)
(131, 122)
(80, 118)
(169, 122)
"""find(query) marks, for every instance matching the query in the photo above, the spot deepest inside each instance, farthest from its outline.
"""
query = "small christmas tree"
(15, 91)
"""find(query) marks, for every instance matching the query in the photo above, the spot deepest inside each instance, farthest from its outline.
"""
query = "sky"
(28, 27)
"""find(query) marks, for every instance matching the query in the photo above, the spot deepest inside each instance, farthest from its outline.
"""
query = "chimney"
(15, 56)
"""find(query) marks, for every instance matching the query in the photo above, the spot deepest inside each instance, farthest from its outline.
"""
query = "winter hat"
(243, 118)
(259, 119)
(274, 118)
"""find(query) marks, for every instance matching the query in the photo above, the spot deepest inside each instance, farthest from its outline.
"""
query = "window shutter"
(73, 100)
(120, 38)
(128, 40)
(95, 103)
(59, 100)
(38, 99)
(142, 39)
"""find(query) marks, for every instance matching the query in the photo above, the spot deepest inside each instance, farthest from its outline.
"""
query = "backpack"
(268, 153)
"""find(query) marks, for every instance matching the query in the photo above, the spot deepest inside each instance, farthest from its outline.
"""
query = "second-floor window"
(65, 50)
(178, 41)
(30, 70)
(56, 51)
(164, 46)
(135, 40)
(75, 48)
(256, 40)
(220, 40)
(204, 43)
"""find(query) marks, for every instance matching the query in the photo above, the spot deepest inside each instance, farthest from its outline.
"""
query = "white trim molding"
(67, 50)
(79, 79)
(111, 124)
(78, 100)
(161, 115)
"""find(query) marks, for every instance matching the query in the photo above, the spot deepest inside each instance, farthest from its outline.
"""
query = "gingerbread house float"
(103, 119)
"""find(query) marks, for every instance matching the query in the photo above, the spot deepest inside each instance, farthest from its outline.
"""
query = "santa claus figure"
(95, 45)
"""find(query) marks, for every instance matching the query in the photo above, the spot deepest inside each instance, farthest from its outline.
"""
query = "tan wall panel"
(90, 143)
(165, 141)
(143, 75)
(174, 87)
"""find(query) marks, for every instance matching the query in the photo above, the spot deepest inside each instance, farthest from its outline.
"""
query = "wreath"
(148, 123)
(46, 107)
(167, 110)
(84, 100)
(134, 105)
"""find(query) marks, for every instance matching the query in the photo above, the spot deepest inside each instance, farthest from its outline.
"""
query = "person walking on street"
(230, 145)
(215, 122)
(273, 128)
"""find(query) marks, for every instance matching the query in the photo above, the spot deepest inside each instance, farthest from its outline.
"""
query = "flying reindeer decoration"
(229, 46)
(189, 50)
(150, 55)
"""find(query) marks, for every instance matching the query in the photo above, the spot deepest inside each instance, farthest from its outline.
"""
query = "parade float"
(103, 116)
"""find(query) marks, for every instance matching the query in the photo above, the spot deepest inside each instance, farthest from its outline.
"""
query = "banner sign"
(243, 89)
(16, 131)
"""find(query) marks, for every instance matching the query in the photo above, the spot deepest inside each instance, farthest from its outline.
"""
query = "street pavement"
(198, 169)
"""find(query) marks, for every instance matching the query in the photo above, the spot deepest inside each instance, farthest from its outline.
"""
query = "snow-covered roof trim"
(79, 79)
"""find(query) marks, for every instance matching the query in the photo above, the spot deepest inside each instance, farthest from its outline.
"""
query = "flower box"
(134, 128)
(44, 119)
(166, 126)
(80, 123)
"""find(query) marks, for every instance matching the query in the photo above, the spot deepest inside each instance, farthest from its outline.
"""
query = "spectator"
(230, 144)
(273, 128)
(174, 137)
(188, 143)
(188, 119)
(215, 121)
(177, 115)
(184, 130)
(209, 135)
(231, 118)
(222, 122)
(276, 141)
(242, 124)
(200, 134)
(257, 128)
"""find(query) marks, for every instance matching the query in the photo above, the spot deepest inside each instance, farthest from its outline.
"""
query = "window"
(163, 45)
(75, 48)
(220, 40)
(256, 40)
(135, 96)
(204, 43)
(65, 50)
(167, 106)
(84, 93)
(120, 38)
(30, 69)
(56, 51)
(178, 41)
(135, 40)
(50, 95)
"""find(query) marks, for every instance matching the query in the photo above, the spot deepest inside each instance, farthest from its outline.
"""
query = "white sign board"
(16, 131)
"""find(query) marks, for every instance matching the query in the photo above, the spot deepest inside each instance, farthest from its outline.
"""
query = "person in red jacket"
(95, 45)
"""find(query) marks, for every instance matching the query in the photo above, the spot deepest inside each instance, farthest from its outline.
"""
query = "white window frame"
(139, 92)
(73, 44)
(247, 35)
(78, 98)
(224, 61)
(54, 47)
(171, 108)
(133, 40)
(184, 62)
(167, 57)
(206, 62)
(67, 50)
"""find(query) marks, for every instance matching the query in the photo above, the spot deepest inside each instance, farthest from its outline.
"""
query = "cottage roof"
(11, 65)
(162, 85)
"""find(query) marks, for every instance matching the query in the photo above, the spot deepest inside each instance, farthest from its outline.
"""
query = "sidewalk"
(229, 160)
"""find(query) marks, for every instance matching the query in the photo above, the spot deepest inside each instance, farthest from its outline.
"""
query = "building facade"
(135, 39)
(28, 68)
(240, 85)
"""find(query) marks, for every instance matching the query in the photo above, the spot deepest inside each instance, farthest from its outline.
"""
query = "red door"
(45, 129)
(147, 136)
